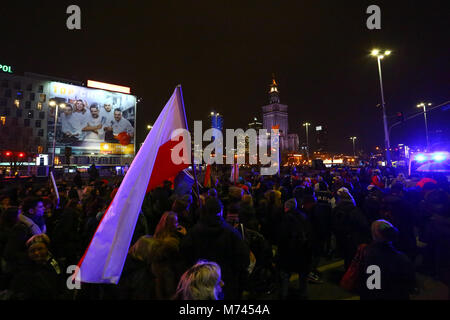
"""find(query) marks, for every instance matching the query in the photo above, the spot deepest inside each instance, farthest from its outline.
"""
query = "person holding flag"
(105, 256)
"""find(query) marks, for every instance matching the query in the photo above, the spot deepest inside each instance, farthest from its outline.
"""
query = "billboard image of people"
(91, 121)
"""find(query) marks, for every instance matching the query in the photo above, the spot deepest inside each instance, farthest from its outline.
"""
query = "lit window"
(39, 106)
(3, 120)
(17, 103)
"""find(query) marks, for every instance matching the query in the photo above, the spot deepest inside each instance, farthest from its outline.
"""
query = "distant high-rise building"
(321, 138)
(216, 120)
(255, 125)
(216, 123)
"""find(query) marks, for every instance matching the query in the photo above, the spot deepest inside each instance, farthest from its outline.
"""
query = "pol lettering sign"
(5, 68)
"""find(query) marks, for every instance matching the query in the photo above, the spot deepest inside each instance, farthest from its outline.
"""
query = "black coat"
(294, 236)
(396, 270)
(437, 236)
(350, 226)
(213, 239)
(137, 281)
(38, 282)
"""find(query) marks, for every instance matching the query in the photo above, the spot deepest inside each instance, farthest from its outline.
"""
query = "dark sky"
(224, 53)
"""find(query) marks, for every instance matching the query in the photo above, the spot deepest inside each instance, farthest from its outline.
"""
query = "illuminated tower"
(274, 96)
(275, 114)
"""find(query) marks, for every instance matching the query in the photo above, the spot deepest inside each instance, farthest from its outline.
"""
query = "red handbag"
(351, 277)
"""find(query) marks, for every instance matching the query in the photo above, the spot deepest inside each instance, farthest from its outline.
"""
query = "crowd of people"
(231, 241)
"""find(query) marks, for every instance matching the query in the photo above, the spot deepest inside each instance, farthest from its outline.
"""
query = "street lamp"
(306, 125)
(353, 139)
(424, 106)
(149, 127)
(53, 103)
(377, 53)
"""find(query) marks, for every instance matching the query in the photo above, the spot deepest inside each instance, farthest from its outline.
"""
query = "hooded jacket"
(213, 239)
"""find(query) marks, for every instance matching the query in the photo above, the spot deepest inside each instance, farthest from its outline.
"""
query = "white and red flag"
(235, 173)
(105, 256)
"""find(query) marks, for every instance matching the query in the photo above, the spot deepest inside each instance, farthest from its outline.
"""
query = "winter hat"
(235, 192)
(187, 198)
(344, 194)
(38, 238)
(212, 192)
(383, 231)
(290, 204)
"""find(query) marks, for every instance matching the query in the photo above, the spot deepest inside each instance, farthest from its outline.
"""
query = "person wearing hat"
(397, 275)
(41, 278)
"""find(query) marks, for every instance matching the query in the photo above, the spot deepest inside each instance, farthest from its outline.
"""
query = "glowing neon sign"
(5, 68)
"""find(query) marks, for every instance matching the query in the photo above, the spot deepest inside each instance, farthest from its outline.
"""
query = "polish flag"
(207, 181)
(105, 256)
(235, 173)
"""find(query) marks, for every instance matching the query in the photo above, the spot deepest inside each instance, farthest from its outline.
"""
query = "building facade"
(27, 120)
(321, 138)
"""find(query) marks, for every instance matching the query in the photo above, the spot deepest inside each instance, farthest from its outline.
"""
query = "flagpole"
(193, 162)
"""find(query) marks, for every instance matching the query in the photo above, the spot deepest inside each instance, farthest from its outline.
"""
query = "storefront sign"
(5, 68)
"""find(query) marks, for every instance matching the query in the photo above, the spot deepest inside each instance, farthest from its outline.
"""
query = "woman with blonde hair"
(201, 282)
(168, 227)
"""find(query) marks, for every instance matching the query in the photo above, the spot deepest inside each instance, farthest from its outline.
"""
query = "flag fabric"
(235, 173)
(105, 256)
(183, 183)
(276, 128)
(207, 182)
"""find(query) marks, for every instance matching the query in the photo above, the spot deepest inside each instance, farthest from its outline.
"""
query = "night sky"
(223, 53)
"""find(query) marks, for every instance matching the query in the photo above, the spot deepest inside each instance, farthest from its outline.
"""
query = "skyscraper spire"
(274, 96)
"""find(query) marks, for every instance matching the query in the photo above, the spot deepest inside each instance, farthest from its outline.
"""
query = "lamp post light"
(424, 106)
(53, 103)
(306, 125)
(353, 139)
(149, 127)
(377, 53)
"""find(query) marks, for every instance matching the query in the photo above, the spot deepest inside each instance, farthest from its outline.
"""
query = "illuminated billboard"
(107, 86)
(90, 121)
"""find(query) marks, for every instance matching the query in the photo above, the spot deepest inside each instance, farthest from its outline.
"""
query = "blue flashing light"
(439, 156)
(420, 158)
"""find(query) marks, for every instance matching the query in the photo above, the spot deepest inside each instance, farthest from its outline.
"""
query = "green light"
(5, 68)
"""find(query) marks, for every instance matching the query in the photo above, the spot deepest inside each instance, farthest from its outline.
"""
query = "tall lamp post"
(377, 53)
(353, 139)
(424, 106)
(53, 103)
(306, 125)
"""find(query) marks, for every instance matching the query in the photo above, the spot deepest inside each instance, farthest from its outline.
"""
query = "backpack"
(262, 278)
